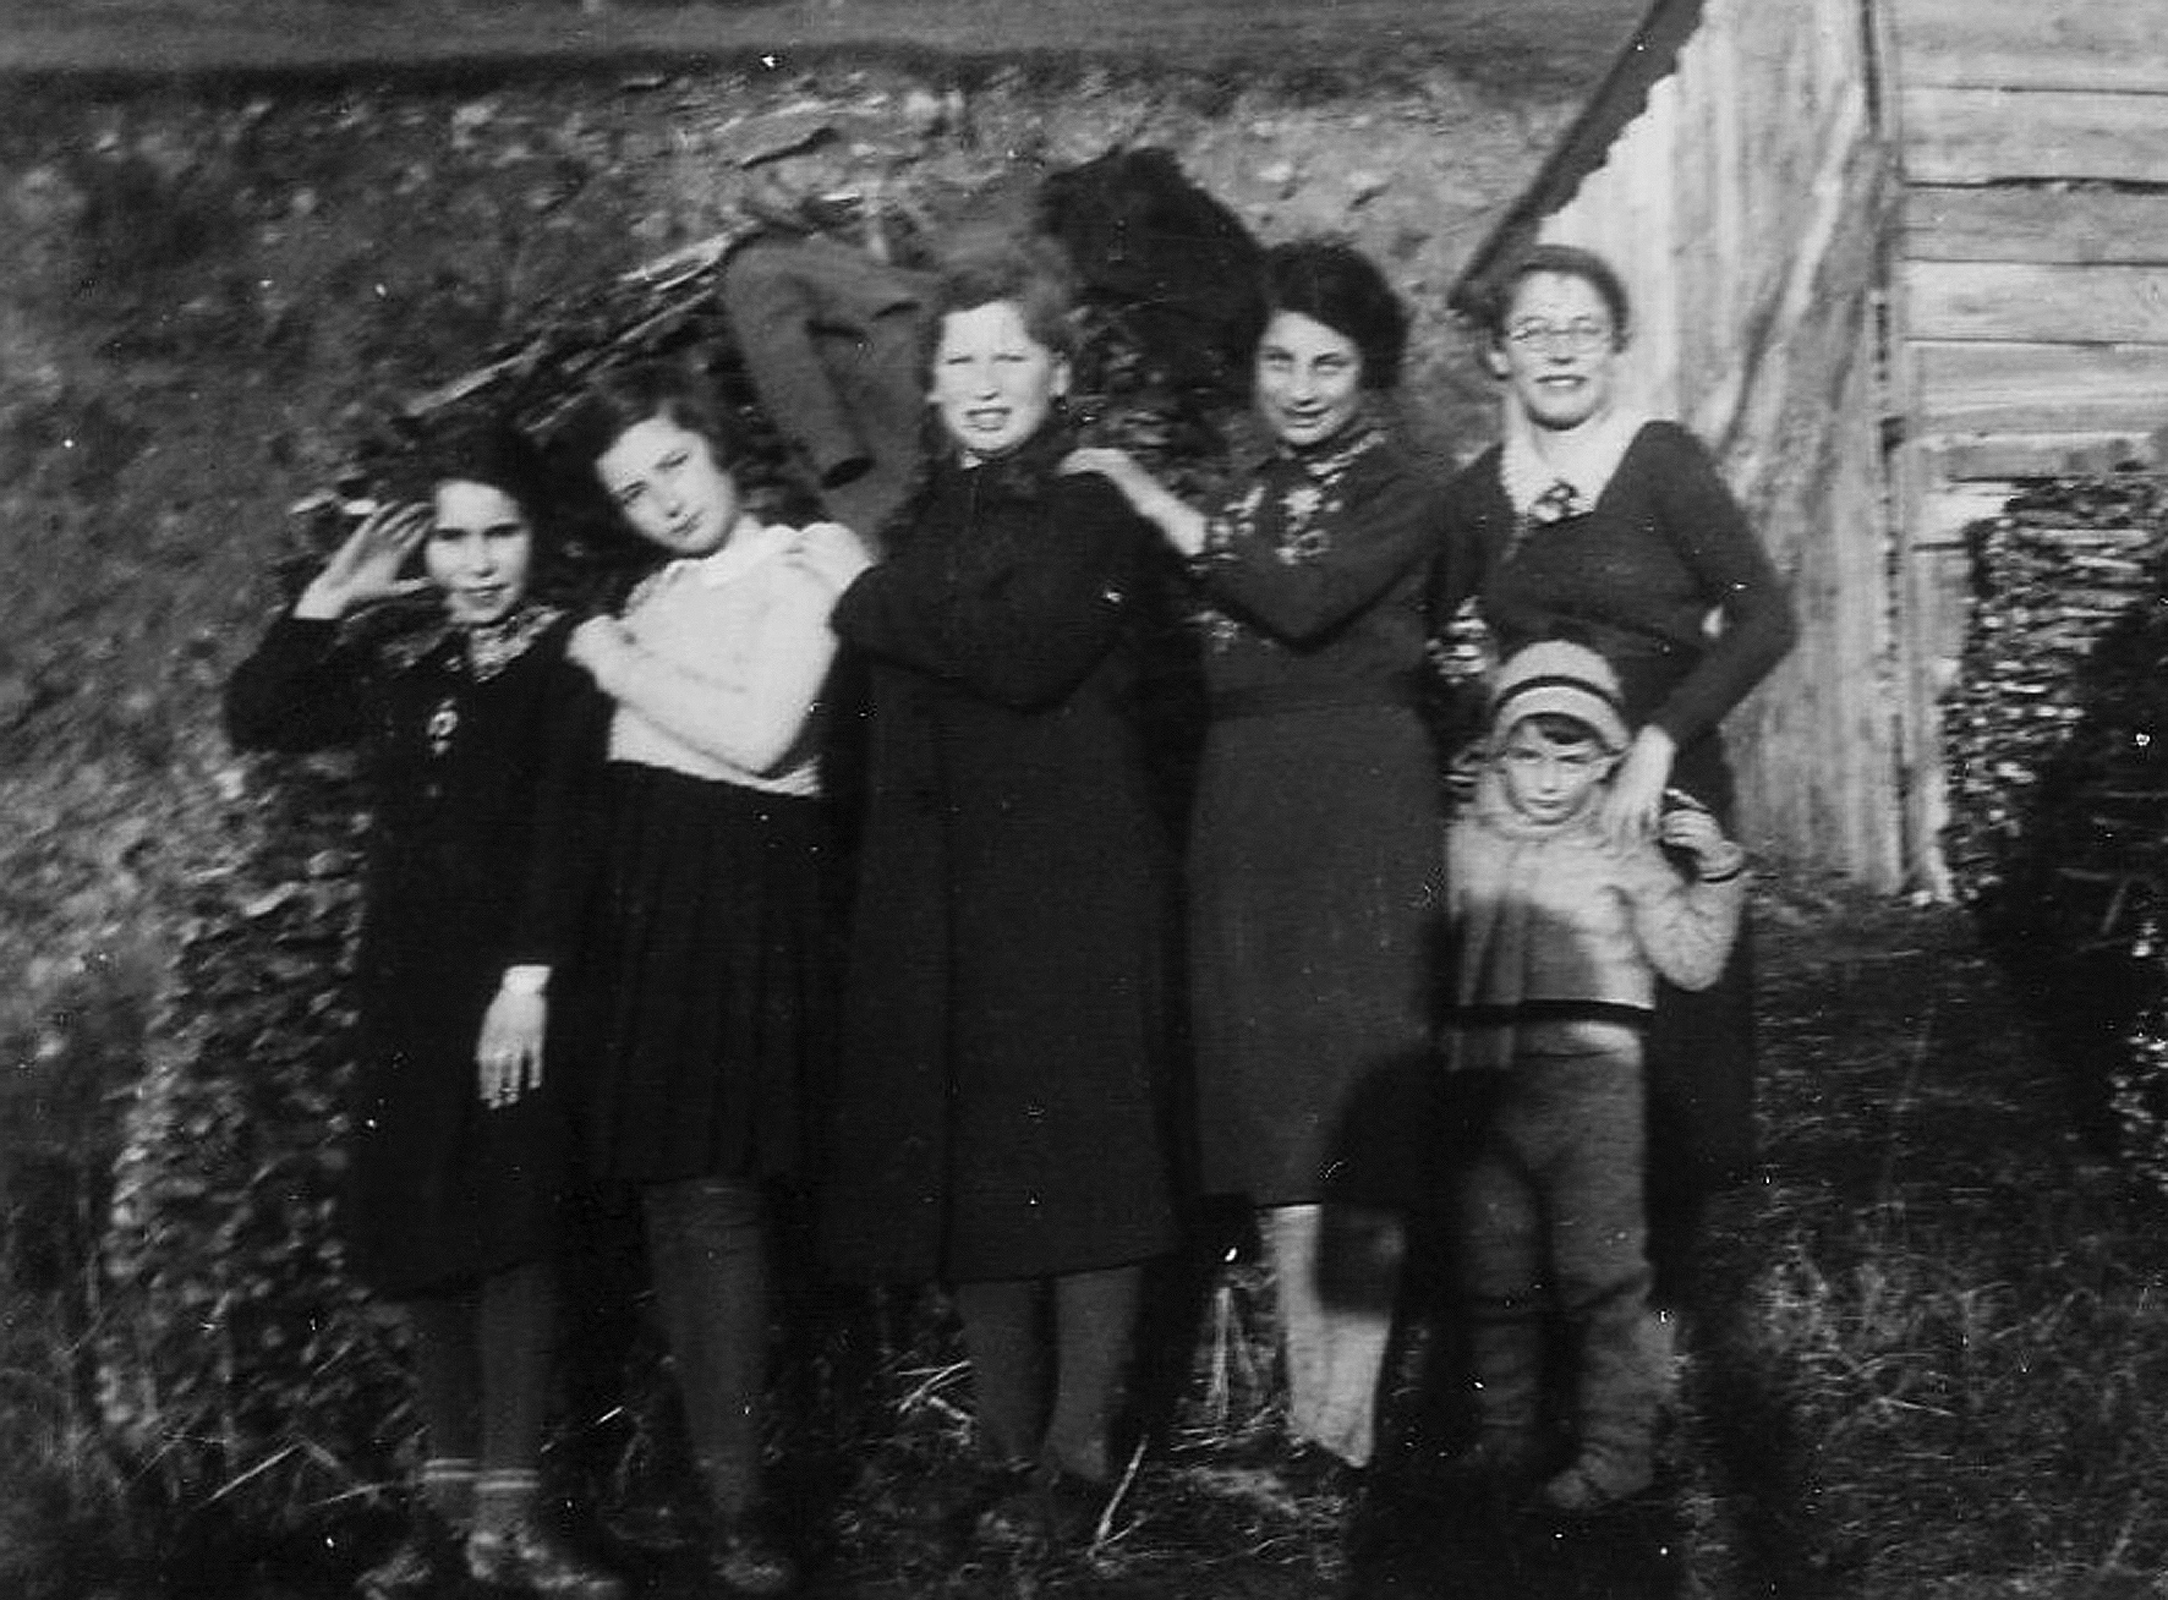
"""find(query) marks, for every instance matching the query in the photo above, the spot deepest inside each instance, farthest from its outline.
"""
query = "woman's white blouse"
(724, 680)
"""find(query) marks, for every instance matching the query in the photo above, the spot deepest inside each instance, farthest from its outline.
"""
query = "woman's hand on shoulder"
(596, 643)
(830, 553)
(365, 569)
(1118, 467)
(1635, 802)
(1147, 496)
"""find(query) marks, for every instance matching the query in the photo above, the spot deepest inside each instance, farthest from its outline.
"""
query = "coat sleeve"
(564, 856)
(1710, 532)
(300, 689)
(1387, 527)
(753, 722)
(1686, 926)
(1023, 625)
(1461, 549)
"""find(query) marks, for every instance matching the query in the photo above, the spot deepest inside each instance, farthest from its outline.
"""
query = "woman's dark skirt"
(1315, 875)
(712, 990)
(442, 1190)
(1701, 1048)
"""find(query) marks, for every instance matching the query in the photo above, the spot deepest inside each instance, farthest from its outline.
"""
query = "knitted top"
(1314, 574)
(1637, 577)
(1559, 937)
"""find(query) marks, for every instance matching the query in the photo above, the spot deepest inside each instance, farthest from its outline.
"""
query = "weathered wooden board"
(1989, 135)
(2007, 457)
(2035, 224)
(2036, 302)
(2041, 388)
(2066, 44)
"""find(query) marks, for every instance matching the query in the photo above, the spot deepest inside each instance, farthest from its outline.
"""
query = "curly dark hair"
(620, 401)
(1337, 285)
(480, 448)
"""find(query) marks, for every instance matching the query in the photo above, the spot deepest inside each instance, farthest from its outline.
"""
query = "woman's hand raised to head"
(831, 553)
(1636, 800)
(1147, 496)
(365, 569)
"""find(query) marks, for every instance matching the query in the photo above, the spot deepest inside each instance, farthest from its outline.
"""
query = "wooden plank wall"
(1746, 207)
(2031, 310)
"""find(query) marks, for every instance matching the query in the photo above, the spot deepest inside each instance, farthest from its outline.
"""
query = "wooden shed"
(1733, 168)
(2030, 306)
(1887, 256)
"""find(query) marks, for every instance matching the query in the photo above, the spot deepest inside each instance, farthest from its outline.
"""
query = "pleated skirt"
(711, 994)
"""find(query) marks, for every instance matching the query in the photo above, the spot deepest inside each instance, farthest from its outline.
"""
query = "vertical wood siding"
(2031, 280)
(1746, 207)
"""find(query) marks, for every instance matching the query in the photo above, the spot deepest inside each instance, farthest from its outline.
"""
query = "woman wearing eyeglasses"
(1595, 522)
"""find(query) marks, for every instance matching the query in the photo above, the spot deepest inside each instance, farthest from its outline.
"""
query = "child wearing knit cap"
(1559, 936)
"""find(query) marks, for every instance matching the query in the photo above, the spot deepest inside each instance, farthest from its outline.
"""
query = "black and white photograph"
(1083, 800)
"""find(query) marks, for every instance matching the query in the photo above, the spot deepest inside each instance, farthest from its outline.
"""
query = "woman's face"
(665, 479)
(993, 383)
(1559, 352)
(478, 551)
(1309, 381)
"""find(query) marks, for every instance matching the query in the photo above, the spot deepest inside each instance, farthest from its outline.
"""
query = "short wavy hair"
(1031, 271)
(1561, 261)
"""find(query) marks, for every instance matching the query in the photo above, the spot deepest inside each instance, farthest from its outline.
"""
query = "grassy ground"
(1935, 1378)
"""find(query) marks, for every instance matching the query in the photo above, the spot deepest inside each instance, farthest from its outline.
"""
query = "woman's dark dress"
(999, 1114)
(474, 858)
(1315, 850)
(1635, 579)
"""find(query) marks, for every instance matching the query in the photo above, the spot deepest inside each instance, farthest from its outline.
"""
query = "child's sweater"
(1559, 938)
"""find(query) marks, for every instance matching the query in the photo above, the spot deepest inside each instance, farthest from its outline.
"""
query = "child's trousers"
(1551, 1219)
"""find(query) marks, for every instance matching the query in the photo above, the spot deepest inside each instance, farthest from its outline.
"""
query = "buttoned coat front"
(999, 1111)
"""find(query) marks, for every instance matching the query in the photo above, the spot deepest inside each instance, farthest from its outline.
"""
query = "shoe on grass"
(745, 1561)
(424, 1563)
(1595, 1484)
(534, 1560)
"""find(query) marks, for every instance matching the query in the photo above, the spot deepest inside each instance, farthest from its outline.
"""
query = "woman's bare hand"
(509, 1055)
(365, 569)
(597, 642)
(1636, 800)
(1183, 525)
(832, 553)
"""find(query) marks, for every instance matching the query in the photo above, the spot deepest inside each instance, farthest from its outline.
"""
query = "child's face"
(1551, 780)
(667, 482)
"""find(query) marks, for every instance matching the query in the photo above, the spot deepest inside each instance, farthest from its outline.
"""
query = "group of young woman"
(600, 909)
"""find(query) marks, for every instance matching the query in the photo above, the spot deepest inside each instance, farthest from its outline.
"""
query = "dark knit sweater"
(1636, 579)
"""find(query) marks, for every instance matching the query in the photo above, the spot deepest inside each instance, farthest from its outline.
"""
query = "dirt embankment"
(201, 293)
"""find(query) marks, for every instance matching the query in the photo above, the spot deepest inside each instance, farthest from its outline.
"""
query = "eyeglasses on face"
(1580, 336)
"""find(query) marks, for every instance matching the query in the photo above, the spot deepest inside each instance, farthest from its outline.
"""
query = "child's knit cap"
(1566, 678)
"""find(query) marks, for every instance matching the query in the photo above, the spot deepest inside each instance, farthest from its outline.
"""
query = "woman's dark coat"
(475, 863)
(999, 1110)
